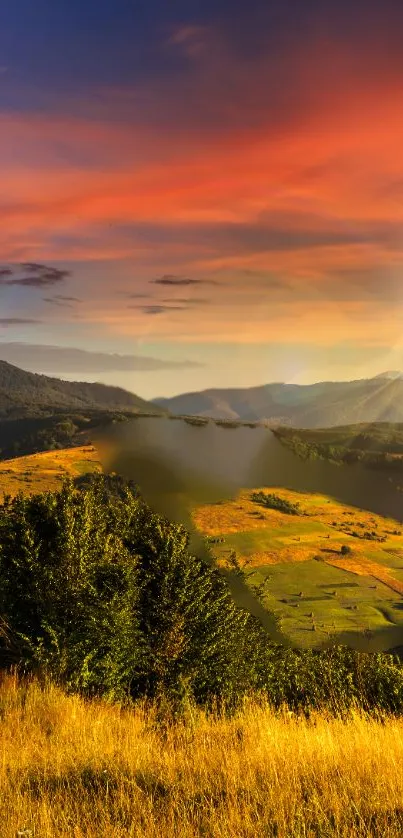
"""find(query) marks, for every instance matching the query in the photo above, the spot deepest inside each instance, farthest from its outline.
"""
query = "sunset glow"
(257, 155)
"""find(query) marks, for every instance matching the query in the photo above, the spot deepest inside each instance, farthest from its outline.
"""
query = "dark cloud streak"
(172, 279)
(160, 309)
(38, 276)
(17, 321)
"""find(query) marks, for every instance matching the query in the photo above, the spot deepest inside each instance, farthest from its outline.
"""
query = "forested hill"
(28, 394)
(376, 445)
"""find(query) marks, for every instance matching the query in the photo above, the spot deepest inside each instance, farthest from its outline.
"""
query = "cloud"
(17, 321)
(59, 360)
(39, 276)
(67, 299)
(187, 301)
(160, 309)
(191, 40)
(62, 301)
(171, 279)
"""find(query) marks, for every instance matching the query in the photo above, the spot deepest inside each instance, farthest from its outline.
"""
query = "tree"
(103, 594)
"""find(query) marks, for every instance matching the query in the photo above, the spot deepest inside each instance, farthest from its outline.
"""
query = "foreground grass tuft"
(74, 768)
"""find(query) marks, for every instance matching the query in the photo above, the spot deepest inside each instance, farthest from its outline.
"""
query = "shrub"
(345, 550)
(272, 501)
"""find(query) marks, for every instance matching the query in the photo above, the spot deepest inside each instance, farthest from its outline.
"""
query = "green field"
(316, 593)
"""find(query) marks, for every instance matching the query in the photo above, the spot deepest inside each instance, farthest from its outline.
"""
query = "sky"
(201, 194)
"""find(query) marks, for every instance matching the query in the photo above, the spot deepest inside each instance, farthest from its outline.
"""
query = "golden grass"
(236, 515)
(364, 567)
(45, 471)
(75, 769)
(297, 538)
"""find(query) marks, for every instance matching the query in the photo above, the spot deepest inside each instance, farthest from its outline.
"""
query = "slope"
(24, 393)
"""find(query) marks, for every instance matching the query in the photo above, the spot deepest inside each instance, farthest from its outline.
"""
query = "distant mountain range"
(321, 405)
(329, 403)
(28, 394)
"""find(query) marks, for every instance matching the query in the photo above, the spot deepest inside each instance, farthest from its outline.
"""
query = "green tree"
(69, 588)
(104, 594)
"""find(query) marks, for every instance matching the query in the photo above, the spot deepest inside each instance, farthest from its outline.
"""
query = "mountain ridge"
(322, 404)
(25, 393)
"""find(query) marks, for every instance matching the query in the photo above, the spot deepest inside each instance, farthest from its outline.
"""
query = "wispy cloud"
(160, 309)
(36, 275)
(172, 279)
(17, 321)
(62, 301)
(187, 301)
(191, 40)
(57, 359)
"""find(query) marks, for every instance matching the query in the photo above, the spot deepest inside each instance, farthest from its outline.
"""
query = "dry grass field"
(46, 471)
(76, 769)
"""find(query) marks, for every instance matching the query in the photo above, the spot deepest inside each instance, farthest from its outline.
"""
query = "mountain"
(320, 405)
(28, 394)
(391, 374)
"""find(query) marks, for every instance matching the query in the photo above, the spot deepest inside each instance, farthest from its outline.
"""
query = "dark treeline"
(57, 430)
(378, 445)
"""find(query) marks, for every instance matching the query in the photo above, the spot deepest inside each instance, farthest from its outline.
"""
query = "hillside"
(45, 472)
(28, 394)
(376, 445)
(324, 404)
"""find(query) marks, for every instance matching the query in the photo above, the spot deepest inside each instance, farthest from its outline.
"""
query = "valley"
(316, 594)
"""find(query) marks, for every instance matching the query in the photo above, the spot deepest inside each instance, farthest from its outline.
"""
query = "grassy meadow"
(46, 471)
(85, 769)
(316, 592)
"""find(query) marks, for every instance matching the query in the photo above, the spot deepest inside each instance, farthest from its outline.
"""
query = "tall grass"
(70, 768)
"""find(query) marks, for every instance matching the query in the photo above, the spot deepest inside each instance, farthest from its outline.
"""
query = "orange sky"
(284, 210)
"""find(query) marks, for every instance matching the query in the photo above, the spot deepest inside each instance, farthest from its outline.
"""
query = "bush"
(272, 501)
(345, 550)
